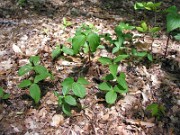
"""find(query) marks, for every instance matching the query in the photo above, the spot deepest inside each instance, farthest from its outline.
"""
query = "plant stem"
(89, 54)
(167, 44)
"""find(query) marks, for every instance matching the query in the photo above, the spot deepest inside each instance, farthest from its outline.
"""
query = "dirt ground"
(36, 28)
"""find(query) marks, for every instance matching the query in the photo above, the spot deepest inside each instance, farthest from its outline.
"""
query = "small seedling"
(156, 110)
(86, 38)
(59, 50)
(122, 34)
(114, 83)
(66, 23)
(147, 30)
(155, 7)
(22, 2)
(3, 95)
(40, 73)
(172, 23)
(142, 54)
(75, 87)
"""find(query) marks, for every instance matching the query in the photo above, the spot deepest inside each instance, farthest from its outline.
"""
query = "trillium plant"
(72, 88)
(114, 82)
(40, 73)
(85, 38)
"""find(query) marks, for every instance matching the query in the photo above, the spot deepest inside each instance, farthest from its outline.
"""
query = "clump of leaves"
(147, 5)
(40, 73)
(73, 88)
(150, 6)
(141, 54)
(147, 30)
(22, 2)
(3, 95)
(172, 24)
(87, 39)
(60, 50)
(66, 23)
(113, 82)
(122, 34)
(156, 110)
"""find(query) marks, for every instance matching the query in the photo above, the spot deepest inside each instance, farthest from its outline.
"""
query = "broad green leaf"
(141, 54)
(1, 92)
(144, 26)
(3, 95)
(111, 97)
(66, 89)
(68, 82)
(105, 86)
(124, 26)
(25, 69)
(118, 44)
(134, 51)
(115, 49)
(154, 30)
(120, 89)
(35, 60)
(150, 57)
(41, 77)
(6, 96)
(121, 80)
(82, 81)
(172, 9)
(140, 29)
(173, 21)
(138, 5)
(120, 58)
(105, 60)
(113, 69)
(177, 37)
(25, 83)
(77, 42)
(108, 77)
(66, 109)
(40, 69)
(67, 85)
(35, 92)
(67, 50)
(70, 100)
(60, 100)
(56, 93)
(94, 41)
(56, 52)
(79, 90)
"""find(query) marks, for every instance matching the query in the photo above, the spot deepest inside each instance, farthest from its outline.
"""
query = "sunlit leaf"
(25, 69)
(105, 86)
(77, 42)
(105, 60)
(35, 92)
(66, 109)
(35, 60)
(111, 97)
(25, 83)
(82, 81)
(94, 41)
(113, 69)
(79, 90)
(56, 52)
(70, 100)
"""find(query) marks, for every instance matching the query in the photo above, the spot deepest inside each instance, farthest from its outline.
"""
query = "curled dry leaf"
(16, 49)
(57, 120)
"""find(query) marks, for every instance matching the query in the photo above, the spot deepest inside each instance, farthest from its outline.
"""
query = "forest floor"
(36, 29)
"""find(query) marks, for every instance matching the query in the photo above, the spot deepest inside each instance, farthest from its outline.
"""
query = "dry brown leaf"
(57, 120)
